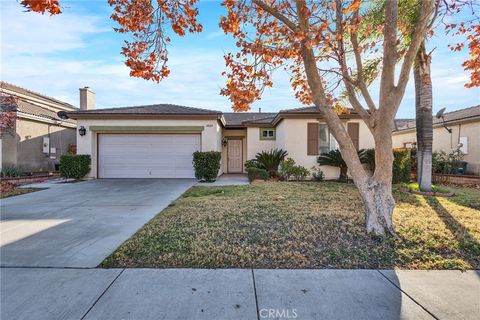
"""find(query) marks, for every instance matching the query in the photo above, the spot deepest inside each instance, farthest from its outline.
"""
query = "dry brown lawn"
(18, 191)
(303, 225)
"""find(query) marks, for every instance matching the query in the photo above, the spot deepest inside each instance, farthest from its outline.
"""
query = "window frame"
(332, 143)
(267, 137)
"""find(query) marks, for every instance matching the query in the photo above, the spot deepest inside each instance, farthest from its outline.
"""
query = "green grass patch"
(414, 186)
(303, 225)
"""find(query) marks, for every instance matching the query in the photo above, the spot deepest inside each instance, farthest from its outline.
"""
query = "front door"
(235, 156)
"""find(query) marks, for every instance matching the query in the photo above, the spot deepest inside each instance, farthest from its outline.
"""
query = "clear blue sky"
(57, 55)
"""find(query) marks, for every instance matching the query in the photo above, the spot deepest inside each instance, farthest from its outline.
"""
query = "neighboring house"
(39, 136)
(157, 141)
(465, 134)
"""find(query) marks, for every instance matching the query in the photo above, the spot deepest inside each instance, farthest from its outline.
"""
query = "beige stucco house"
(465, 133)
(39, 136)
(157, 141)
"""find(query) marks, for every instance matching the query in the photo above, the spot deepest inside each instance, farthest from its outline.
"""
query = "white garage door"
(146, 155)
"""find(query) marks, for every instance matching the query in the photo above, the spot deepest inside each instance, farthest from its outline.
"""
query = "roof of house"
(26, 92)
(458, 115)
(22, 104)
(245, 118)
(171, 109)
(400, 124)
(32, 109)
(229, 119)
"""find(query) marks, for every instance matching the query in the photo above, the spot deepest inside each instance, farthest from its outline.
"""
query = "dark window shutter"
(354, 133)
(312, 139)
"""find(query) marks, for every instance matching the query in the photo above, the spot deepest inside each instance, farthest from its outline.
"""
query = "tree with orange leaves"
(322, 44)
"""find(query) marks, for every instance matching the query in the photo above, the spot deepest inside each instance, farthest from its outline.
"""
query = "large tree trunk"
(379, 204)
(424, 118)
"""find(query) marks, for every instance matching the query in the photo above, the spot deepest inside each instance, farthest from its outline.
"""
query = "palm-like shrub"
(270, 160)
(334, 159)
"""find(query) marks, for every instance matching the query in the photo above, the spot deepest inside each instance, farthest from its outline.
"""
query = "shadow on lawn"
(468, 245)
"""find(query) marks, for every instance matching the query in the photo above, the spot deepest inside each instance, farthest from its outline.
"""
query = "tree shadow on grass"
(469, 246)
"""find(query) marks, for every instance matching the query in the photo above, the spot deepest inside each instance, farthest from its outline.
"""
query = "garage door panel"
(147, 155)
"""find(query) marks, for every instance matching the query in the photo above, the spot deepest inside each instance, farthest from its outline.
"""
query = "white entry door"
(147, 155)
(235, 156)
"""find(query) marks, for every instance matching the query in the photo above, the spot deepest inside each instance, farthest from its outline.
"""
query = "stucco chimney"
(87, 99)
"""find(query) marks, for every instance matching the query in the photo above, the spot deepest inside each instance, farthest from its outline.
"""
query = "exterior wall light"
(224, 142)
(82, 131)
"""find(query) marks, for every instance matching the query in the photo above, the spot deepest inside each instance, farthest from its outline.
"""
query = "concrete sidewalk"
(46, 293)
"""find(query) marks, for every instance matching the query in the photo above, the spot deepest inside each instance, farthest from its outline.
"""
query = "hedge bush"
(402, 166)
(74, 166)
(206, 165)
(257, 174)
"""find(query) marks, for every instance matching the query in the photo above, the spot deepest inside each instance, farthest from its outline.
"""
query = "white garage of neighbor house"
(157, 141)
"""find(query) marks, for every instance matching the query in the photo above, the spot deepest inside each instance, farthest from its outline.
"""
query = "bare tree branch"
(276, 14)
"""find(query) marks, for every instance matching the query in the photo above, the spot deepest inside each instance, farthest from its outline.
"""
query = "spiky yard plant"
(334, 158)
(270, 160)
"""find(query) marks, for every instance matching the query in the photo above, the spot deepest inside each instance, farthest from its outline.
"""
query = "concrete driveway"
(80, 224)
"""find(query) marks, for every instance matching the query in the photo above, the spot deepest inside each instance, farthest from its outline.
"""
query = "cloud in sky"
(57, 55)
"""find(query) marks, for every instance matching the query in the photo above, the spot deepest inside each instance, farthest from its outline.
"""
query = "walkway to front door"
(235, 156)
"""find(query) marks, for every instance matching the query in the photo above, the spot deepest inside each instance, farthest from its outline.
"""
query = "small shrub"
(253, 163)
(270, 160)
(317, 174)
(451, 163)
(257, 173)
(300, 173)
(402, 166)
(74, 166)
(9, 172)
(206, 165)
(287, 168)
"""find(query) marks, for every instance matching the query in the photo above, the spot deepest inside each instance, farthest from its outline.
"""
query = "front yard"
(303, 225)
(17, 192)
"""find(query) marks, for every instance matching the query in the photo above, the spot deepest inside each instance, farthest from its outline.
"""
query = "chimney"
(259, 110)
(87, 99)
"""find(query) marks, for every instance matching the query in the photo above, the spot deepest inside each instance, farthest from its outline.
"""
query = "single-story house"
(157, 141)
(464, 133)
(39, 136)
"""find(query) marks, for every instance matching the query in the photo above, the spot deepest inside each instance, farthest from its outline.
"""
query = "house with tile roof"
(157, 141)
(457, 129)
(39, 136)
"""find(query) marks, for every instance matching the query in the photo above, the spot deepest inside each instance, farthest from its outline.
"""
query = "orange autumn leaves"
(266, 40)
(145, 21)
(42, 6)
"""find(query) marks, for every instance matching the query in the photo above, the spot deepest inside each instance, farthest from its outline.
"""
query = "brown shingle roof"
(8, 86)
(151, 109)
(32, 109)
(462, 114)
(243, 118)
